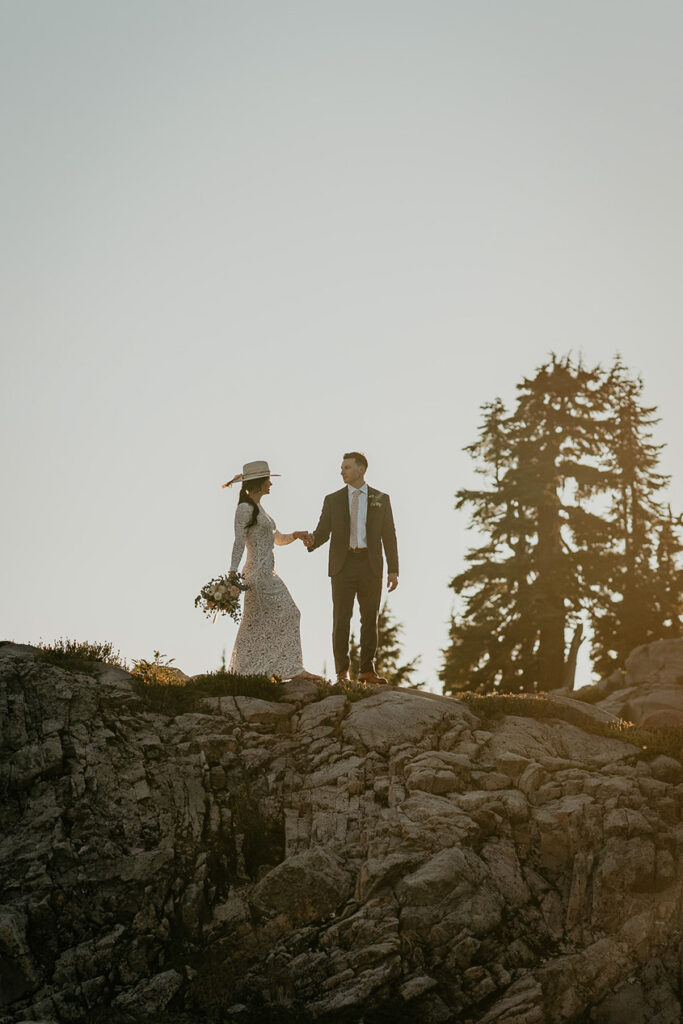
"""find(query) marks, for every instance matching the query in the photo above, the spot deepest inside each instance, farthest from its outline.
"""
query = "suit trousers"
(355, 580)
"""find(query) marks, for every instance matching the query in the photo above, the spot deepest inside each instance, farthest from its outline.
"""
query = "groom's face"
(352, 472)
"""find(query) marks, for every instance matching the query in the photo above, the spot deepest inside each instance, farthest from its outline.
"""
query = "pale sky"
(283, 230)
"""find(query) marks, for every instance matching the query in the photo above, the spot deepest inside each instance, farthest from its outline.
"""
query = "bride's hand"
(300, 535)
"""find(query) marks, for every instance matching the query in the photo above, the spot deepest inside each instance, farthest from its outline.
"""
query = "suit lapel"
(344, 512)
(344, 505)
(373, 512)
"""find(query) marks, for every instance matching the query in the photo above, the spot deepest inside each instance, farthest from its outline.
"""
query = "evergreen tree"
(561, 419)
(522, 588)
(388, 660)
(628, 602)
(354, 657)
(669, 575)
(572, 527)
(494, 587)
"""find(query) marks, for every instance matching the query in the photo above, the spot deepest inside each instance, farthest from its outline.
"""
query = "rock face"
(393, 858)
(659, 662)
(650, 692)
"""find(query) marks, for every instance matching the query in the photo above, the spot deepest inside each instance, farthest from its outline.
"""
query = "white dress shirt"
(362, 512)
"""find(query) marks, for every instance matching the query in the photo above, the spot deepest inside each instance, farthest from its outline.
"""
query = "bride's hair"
(246, 498)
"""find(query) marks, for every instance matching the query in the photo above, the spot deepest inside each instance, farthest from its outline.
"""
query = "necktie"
(353, 537)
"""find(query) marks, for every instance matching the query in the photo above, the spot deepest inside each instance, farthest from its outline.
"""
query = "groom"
(360, 522)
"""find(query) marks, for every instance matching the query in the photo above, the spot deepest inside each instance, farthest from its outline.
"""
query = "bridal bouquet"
(222, 596)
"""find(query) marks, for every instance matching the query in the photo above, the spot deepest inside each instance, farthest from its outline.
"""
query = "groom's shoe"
(343, 677)
(370, 677)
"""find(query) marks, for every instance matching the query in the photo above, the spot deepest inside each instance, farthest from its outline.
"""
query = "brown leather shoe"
(370, 677)
(343, 677)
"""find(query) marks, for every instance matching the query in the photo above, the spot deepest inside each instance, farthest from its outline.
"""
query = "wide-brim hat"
(252, 471)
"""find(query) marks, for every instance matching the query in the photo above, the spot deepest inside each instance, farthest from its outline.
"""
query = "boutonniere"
(375, 501)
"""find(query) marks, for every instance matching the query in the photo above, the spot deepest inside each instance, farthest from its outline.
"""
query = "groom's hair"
(357, 457)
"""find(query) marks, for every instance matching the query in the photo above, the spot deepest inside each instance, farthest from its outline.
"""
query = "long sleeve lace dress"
(268, 640)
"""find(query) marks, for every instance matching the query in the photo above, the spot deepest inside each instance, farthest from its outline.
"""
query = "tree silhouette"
(571, 529)
(636, 592)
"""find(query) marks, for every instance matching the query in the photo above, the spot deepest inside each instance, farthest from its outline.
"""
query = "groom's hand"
(309, 540)
(392, 581)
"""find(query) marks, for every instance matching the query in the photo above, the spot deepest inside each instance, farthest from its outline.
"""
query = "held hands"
(304, 536)
(392, 581)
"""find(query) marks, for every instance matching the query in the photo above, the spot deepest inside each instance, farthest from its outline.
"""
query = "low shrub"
(222, 683)
(158, 671)
(164, 690)
(79, 655)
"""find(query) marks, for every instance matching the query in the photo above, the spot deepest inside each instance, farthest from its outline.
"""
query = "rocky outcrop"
(394, 858)
(650, 692)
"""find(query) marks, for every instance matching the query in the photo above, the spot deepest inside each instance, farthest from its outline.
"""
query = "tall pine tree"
(559, 424)
(571, 528)
(669, 575)
(522, 588)
(489, 644)
(628, 599)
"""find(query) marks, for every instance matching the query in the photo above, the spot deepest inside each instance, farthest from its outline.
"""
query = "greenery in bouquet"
(221, 596)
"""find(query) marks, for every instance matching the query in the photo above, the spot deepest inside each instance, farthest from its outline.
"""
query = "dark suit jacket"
(335, 522)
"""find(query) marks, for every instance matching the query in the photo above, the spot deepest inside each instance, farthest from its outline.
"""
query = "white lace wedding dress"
(268, 640)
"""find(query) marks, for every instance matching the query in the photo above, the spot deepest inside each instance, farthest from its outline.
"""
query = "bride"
(268, 640)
